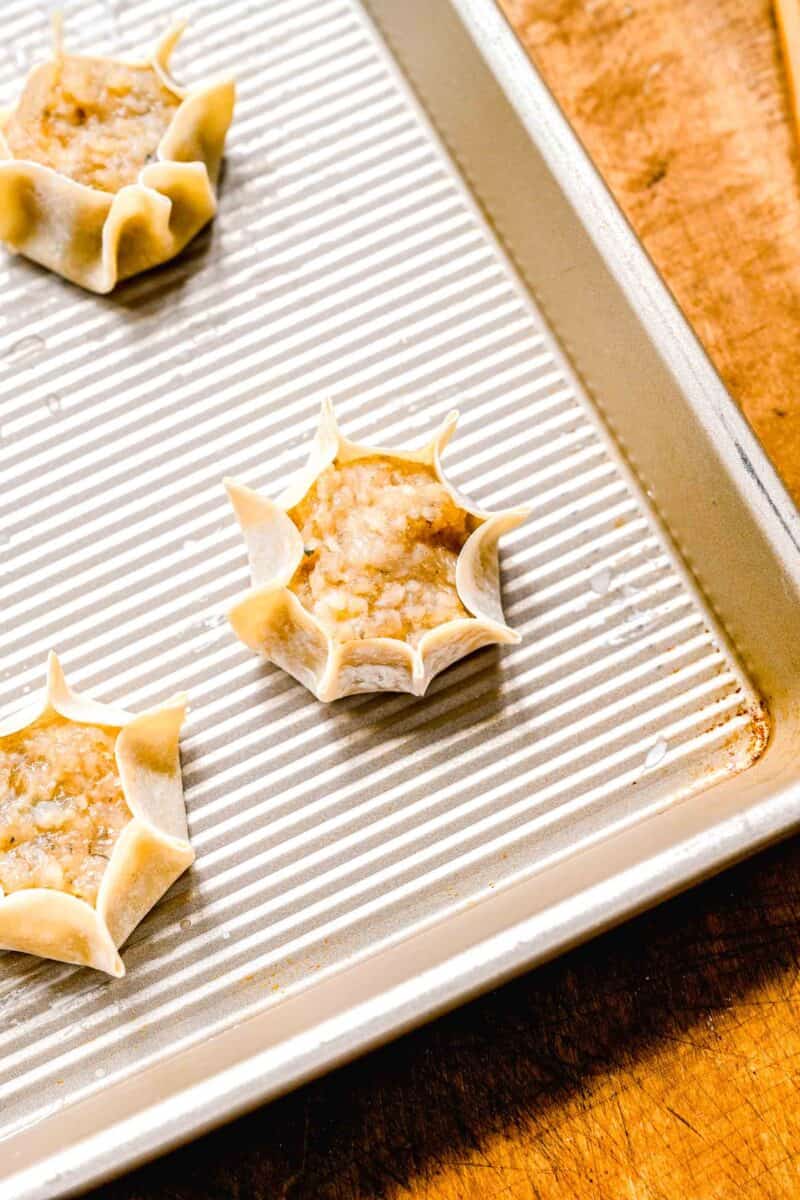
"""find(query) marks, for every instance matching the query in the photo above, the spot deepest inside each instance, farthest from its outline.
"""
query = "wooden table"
(659, 1062)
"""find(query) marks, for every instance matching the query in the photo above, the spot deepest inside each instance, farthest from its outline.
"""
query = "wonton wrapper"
(150, 853)
(271, 619)
(96, 238)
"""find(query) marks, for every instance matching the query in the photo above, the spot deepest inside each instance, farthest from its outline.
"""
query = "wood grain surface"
(683, 105)
(660, 1062)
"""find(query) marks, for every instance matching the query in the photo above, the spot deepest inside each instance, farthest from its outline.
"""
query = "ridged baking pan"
(407, 225)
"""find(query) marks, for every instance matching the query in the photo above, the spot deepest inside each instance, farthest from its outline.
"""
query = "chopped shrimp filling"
(382, 538)
(62, 807)
(96, 121)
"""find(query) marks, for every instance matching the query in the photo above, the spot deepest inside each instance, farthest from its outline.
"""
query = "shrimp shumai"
(370, 572)
(109, 167)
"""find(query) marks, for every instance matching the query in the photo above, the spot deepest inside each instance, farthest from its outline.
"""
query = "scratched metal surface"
(348, 261)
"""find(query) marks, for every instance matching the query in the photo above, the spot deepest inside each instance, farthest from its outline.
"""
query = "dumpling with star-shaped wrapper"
(92, 822)
(370, 572)
(108, 166)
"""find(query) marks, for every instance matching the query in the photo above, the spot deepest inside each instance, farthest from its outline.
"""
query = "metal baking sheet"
(392, 231)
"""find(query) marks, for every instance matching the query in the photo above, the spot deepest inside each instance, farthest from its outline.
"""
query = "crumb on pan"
(62, 806)
(381, 539)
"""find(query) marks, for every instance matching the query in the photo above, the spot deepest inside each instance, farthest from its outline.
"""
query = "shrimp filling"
(62, 807)
(381, 538)
(96, 121)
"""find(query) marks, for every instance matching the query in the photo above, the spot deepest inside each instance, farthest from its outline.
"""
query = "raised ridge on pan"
(350, 263)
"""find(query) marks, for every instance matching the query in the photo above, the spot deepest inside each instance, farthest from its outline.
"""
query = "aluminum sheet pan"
(362, 865)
